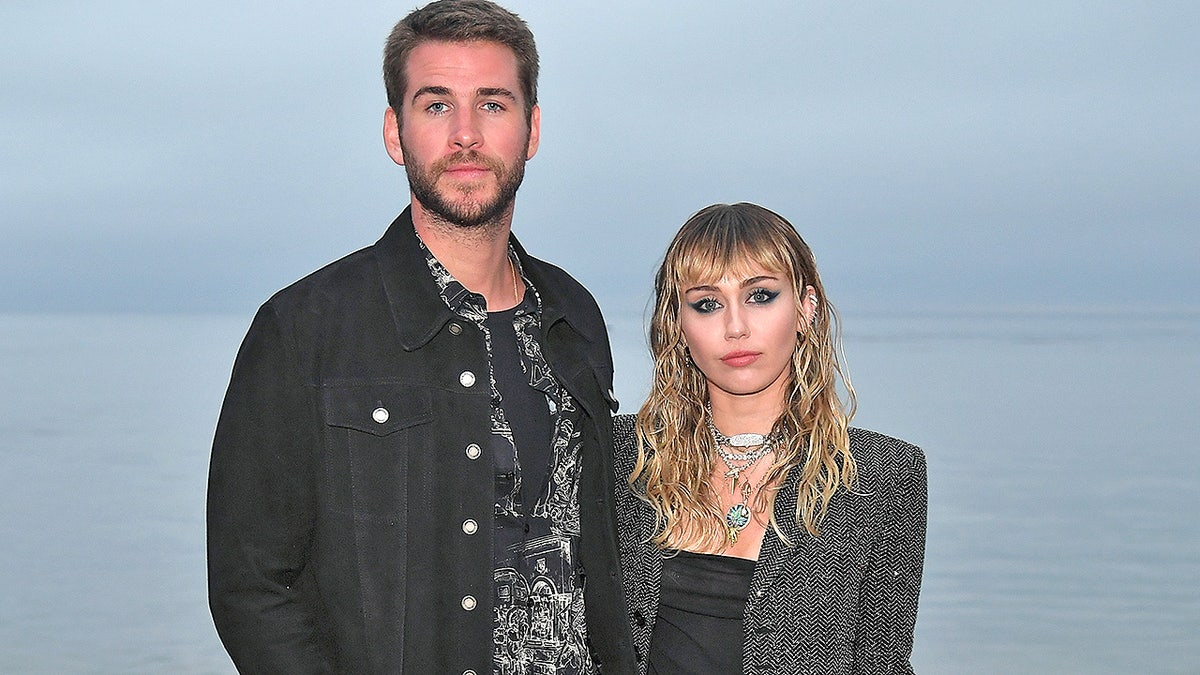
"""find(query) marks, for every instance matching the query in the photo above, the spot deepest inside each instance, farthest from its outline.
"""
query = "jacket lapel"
(775, 554)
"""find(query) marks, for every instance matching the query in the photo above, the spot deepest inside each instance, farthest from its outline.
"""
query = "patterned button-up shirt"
(538, 621)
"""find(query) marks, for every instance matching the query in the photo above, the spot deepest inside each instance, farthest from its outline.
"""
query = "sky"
(195, 157)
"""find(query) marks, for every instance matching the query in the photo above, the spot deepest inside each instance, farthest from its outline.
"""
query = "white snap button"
(380, 415)
(473, 451)
(455, 329)
(467, 379)
(468, 672)
(468, 602)
(470, 526)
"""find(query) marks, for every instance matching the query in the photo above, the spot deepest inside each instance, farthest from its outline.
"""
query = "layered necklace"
(739, 461)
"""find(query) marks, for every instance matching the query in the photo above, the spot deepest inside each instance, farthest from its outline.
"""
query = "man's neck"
(477, 257)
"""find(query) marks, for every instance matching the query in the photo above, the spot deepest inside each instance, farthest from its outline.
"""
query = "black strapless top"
(700, 606)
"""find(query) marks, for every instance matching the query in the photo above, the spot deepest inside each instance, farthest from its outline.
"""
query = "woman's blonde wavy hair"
(676, 452)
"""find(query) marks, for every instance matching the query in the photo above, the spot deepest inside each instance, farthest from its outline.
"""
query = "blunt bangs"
(724, 242)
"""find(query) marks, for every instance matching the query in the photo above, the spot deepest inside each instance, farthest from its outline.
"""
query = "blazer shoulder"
(625, 443)
(885, 461)
(875, 446)
(623, 427)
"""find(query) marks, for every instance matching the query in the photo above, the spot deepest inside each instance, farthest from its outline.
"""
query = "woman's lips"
(740, 358)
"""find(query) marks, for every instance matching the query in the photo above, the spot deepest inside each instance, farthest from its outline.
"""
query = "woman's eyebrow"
(759, 279)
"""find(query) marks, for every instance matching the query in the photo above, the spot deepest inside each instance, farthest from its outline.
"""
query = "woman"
(760, 532)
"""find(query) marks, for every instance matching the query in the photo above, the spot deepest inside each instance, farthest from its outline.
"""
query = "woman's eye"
(762, 296)
(705, 305)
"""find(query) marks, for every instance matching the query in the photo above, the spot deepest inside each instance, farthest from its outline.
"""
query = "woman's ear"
(808, 309)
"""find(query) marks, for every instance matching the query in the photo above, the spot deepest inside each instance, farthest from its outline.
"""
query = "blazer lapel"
(775, 554)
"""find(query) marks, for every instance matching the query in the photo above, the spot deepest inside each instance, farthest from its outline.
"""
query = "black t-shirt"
(525, 408)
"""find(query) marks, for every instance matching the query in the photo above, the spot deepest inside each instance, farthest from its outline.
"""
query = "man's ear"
(535, 132)
(391, 136)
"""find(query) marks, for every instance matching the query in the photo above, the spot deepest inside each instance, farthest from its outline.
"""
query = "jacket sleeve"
(261, 506)
(888, 601)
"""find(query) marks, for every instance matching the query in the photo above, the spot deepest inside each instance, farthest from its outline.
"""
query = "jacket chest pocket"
(376, 409)
(370, 430)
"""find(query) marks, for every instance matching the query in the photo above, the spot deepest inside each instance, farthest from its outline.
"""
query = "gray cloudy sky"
(188, 156)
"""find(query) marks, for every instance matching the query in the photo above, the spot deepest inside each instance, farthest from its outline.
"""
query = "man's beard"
(469, 212)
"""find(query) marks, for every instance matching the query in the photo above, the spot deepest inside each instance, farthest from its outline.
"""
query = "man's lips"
(468, 166)
(740, 358)
(466, 170)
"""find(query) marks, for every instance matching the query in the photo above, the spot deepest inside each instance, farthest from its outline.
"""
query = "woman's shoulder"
(625, 442)
(875, 442)
(623, 426)
(884, 460)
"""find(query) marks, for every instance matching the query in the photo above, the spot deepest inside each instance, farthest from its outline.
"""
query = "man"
(412, 471)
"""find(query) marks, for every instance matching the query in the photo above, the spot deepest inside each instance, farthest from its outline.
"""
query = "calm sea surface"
(1062, 451)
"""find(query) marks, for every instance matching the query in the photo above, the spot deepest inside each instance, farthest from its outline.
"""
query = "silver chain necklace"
(738, 515)
(736, 440)
(722, 442)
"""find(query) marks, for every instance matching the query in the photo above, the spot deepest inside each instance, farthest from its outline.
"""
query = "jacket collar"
(416, 305)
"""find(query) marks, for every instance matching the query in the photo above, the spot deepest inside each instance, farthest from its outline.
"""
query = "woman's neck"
(744, 414)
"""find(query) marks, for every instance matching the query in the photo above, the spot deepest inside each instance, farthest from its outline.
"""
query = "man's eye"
(437, 108)
(705, 305)
(492, 106)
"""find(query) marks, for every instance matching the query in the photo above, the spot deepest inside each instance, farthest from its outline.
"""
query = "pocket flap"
(378, 409)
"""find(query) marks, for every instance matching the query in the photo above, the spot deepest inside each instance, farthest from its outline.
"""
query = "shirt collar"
(468, 304)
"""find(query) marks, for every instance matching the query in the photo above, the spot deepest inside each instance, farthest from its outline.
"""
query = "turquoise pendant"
(735, 519)
(738, 516)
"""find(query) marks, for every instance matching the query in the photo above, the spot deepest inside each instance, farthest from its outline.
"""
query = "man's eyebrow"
(496, 91)
(431, 91)
(434, 90)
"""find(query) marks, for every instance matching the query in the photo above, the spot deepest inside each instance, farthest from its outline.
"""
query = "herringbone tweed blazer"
(843, 602)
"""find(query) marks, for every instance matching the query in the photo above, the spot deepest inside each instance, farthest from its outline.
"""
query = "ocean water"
(1062, 453)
